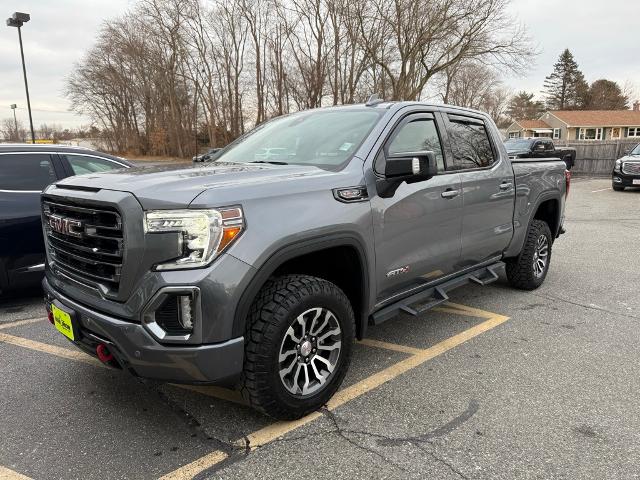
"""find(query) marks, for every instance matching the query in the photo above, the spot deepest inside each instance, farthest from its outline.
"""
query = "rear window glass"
(81, 164)
(29, 171)
(471, 146)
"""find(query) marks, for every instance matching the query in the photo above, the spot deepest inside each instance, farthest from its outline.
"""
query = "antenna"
(374, 100)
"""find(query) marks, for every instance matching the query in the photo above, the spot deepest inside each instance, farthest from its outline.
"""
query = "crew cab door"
(417, 230)
(488, 188)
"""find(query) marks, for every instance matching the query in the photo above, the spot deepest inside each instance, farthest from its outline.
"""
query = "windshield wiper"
(272, 162)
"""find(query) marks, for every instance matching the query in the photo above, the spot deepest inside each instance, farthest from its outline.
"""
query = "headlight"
(204, 233)
(618, 165)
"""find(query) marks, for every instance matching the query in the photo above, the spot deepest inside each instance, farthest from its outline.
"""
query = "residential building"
(581, 125)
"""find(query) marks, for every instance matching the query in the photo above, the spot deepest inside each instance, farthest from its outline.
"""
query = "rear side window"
(81, 164)
(416, 136)
(24, 172)
(470, 144)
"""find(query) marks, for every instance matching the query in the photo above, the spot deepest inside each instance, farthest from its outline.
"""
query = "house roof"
(598, 118)
(531, 124)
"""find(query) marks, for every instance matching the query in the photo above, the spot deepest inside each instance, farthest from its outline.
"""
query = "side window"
(27, 171)
(470, 144)
(417, 135)
(548, 146)
(81, 164)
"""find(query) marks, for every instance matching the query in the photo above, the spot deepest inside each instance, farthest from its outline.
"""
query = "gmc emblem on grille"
(65, 226)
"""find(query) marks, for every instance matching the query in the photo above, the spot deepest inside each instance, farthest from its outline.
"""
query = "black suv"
(626, 172)
(25, 170)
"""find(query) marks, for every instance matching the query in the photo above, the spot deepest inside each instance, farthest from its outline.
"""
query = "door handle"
(450, 193)
(506, 186)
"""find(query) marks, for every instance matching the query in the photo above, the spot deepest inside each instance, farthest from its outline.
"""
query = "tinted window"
(470, 144)
(30, 171)
(415, 136)
(81, 164)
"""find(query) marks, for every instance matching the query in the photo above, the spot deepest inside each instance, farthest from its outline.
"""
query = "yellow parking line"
(370, 342)
(6, 474)
(67, 353)
(18, 323)
(192, 469)
(276, 430)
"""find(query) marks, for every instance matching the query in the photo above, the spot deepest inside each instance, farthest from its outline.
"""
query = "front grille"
(85, 241)
(631, 168)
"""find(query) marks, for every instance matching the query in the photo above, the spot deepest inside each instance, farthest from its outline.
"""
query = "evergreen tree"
(522, 106)
(566, 88)
(607, 95)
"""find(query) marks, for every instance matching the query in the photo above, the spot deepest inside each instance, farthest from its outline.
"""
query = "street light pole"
(17, 20)
(15, 120)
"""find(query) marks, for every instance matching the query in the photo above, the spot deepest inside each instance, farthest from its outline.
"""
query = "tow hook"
(104, 355)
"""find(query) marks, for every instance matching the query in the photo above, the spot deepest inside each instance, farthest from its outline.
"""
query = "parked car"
(626, 171)
(25, 170)
(539, 147)
(259, 275)
(207, 156)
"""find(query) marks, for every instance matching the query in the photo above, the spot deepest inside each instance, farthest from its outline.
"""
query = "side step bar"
(420, 302)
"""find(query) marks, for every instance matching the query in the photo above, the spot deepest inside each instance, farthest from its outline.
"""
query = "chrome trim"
(33, 268)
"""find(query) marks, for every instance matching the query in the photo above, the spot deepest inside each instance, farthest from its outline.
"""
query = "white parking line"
(601, 190)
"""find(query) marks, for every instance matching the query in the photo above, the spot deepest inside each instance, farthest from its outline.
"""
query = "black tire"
(521, 271)
(276, 308)
(617, 188)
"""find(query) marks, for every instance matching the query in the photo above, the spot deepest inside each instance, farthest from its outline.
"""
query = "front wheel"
(300, 332)
(529, 269)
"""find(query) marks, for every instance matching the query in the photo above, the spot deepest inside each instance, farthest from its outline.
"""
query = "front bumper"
(624, 180)
(136, 350)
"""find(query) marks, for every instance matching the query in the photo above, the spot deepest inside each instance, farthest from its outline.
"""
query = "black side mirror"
(407, 167)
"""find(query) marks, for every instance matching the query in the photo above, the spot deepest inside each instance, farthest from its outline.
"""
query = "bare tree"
(175, 74)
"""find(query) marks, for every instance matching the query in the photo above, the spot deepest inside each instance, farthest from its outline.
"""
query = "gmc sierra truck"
(259, 269)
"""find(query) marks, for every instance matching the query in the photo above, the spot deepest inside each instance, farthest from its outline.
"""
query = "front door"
(417, 230)
(488, 189)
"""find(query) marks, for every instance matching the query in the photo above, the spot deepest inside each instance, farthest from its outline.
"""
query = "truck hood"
(175, 186)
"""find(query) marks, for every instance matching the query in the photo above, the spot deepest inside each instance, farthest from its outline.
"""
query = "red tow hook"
(104, 355)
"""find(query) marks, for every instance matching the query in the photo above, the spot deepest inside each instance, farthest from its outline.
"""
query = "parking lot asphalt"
(499, 384)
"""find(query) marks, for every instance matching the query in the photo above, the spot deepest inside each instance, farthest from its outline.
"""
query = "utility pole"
(17, 20)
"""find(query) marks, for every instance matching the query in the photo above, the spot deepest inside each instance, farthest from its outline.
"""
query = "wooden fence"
(597, 158)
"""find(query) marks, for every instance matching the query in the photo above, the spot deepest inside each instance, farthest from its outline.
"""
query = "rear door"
(487, 186)
(417, 230)
(23, 176)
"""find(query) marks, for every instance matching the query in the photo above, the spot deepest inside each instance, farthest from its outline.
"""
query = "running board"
(420, 302)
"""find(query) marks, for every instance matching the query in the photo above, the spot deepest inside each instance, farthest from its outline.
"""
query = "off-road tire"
(617, 188)
(274, 309)
(520, 270)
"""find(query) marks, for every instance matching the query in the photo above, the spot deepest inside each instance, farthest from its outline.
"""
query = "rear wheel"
(617, 188)
(529, 269)
(298, 346)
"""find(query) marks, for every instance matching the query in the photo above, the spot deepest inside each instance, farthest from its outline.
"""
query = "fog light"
(186, 312)
(617, 179)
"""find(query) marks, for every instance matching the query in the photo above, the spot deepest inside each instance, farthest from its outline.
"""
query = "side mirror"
(407, 167)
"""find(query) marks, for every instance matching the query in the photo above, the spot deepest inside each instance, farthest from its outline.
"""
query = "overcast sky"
(603, 36)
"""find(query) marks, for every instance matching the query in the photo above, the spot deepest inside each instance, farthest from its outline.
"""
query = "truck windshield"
(324, 138)
(515, 145)
(635, 151)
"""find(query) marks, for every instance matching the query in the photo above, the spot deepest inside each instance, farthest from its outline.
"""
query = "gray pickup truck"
(259, 269)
